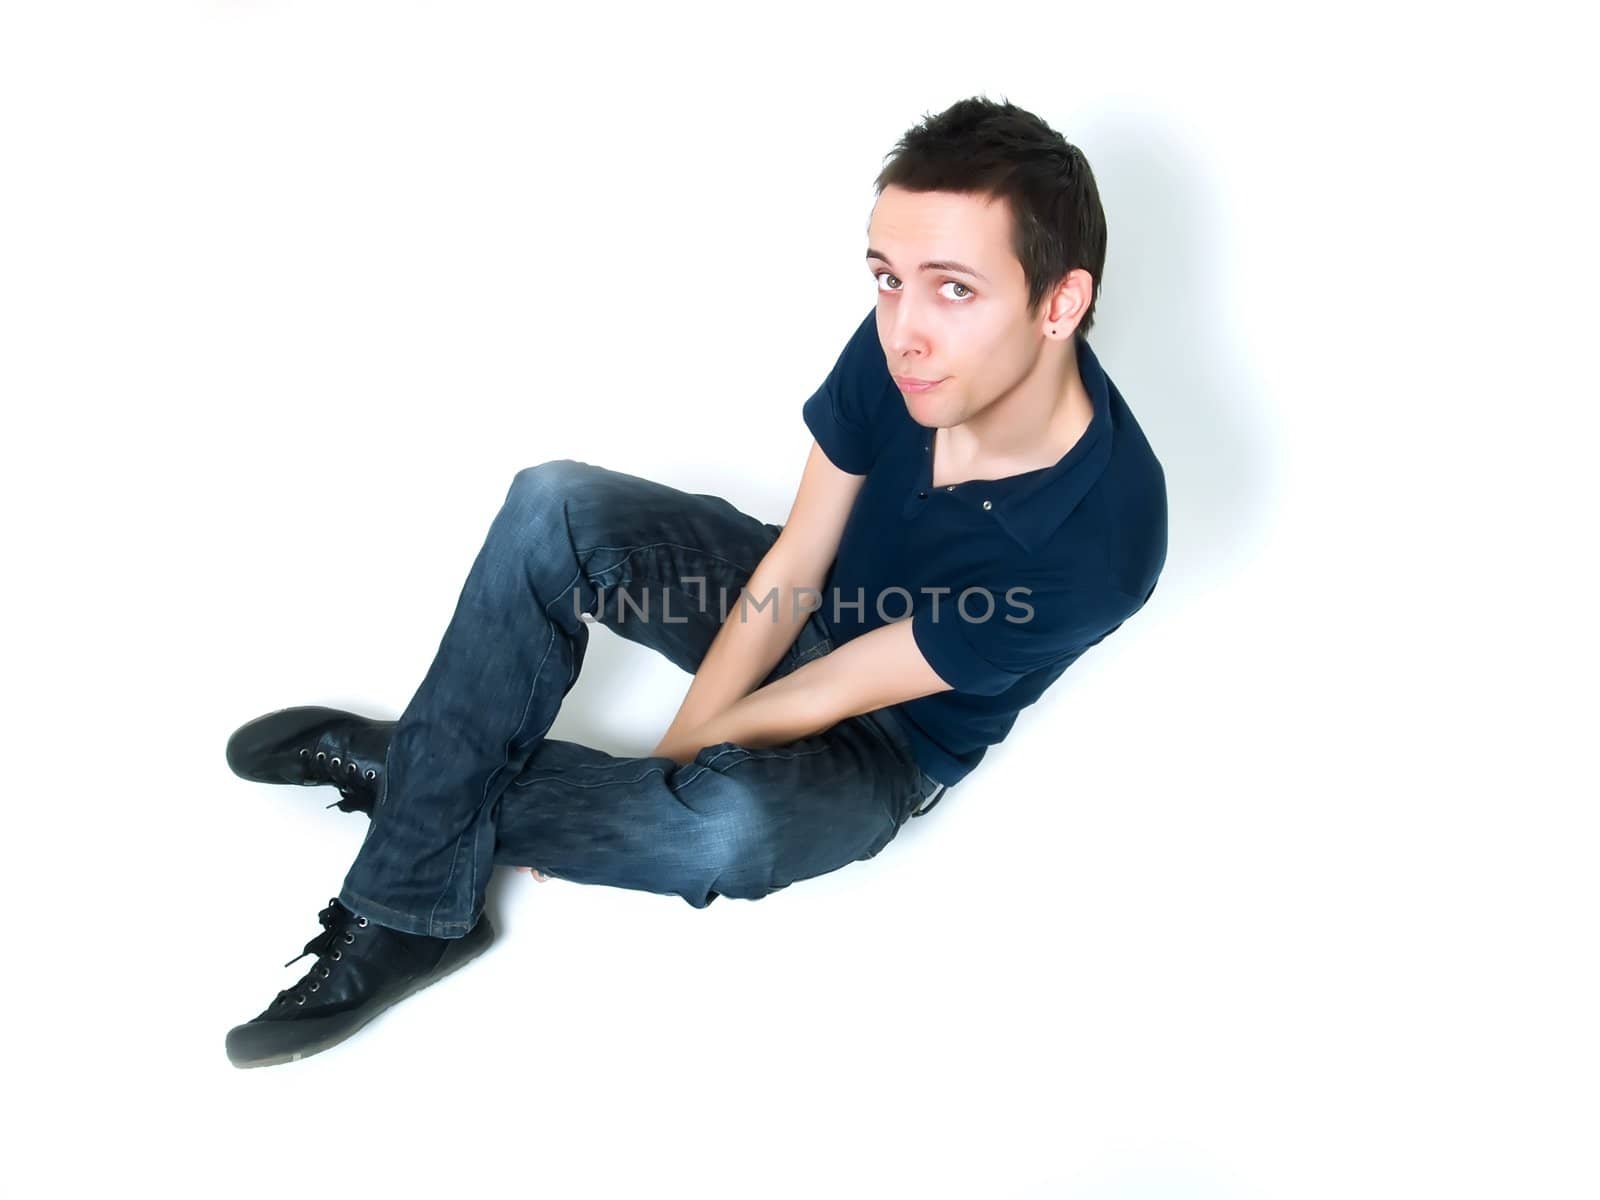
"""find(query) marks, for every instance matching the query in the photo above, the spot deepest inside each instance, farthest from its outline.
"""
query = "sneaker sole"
(267, 1043)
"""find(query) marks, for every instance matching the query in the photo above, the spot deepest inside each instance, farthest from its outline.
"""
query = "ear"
(1067, 304)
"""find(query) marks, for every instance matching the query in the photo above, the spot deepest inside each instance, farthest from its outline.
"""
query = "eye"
(952, 283)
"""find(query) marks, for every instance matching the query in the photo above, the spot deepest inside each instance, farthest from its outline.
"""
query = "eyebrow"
(937, 264)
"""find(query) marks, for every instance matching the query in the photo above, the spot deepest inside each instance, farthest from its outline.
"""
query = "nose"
(903, 339)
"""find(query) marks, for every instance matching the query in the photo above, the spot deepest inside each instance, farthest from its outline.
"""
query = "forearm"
(785, 710)
(866, 673)
(760, 627)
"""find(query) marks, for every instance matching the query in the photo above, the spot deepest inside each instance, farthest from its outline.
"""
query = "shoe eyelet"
(326, 972)
(305, 753)
(348, 936)
(321, 754)
(337, 955)
(361, 921)
(350, 768)
(371, 774)
(315, 986)
(335, 761)
(299, 999)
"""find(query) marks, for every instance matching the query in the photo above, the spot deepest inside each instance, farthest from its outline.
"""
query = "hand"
(536, 873)
(679, 752)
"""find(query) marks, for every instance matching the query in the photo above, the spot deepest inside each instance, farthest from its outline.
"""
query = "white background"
(1286, 890)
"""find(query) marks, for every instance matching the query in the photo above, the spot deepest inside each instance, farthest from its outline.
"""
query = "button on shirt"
(1005, 581)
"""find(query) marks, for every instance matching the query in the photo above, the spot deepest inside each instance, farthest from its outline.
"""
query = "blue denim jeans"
(472, 782)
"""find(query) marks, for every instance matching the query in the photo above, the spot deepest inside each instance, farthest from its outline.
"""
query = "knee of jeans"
(535, 507)
(545, 481)
(733, 832)
(729, 837)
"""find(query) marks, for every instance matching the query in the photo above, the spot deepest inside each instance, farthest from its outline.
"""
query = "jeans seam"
(749, 753)
(527, 706)
(632, 550)
(603, 783)
(721, 754)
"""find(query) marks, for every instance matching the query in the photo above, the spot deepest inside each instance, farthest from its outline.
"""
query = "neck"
(1033, 425)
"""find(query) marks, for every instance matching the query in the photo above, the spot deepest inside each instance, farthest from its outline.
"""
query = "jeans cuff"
(405, 922)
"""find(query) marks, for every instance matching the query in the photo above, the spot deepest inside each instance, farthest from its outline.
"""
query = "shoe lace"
(337, 922)
(354, 784)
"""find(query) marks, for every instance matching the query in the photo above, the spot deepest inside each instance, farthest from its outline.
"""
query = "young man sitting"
(979, 507)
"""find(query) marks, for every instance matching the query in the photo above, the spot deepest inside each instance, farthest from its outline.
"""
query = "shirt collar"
(1032, 507)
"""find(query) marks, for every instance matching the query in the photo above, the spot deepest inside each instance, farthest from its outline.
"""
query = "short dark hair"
(996, 149)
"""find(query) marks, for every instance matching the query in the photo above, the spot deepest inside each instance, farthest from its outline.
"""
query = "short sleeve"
(846, 413)
(982, 640)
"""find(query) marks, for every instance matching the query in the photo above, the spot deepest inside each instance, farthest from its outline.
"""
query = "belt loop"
(932, 800)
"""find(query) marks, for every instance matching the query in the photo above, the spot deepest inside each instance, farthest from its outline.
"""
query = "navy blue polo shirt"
(1005, 581)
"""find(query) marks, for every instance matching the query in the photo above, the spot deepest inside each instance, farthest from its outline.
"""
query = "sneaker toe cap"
(261, 1042)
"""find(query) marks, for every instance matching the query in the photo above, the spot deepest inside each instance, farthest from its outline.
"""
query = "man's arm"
(745, 651)
(872, 671)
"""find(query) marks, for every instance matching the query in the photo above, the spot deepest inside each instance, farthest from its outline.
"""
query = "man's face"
(965, 326)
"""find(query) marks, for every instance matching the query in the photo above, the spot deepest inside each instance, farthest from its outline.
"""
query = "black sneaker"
(362, 968)
(312, 745)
